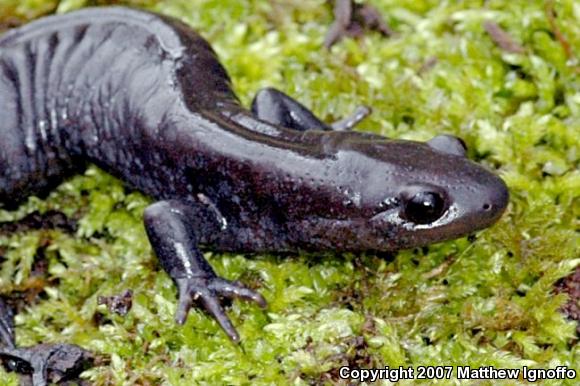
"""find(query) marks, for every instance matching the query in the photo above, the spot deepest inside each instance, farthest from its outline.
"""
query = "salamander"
(145, 98)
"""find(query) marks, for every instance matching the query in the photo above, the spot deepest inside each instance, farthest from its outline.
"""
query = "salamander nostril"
(486, 207)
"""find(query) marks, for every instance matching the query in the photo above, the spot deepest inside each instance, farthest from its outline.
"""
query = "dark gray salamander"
(144, 97)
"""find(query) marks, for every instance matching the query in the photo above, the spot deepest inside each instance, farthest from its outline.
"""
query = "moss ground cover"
(483, 301)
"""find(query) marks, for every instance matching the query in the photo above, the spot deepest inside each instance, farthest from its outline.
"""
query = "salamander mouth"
(456, 220)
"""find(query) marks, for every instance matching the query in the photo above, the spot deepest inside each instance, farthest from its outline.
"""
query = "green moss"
(479, 303)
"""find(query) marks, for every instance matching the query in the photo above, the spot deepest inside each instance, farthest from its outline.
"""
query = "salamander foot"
(47, 362)
(208, 292)
(42, 363)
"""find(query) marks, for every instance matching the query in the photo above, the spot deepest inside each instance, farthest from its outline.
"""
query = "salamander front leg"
(174, 228)
(350, 121)
(275, 107)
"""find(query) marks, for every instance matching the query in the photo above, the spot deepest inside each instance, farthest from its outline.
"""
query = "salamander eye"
(424, 207)
(448, 144)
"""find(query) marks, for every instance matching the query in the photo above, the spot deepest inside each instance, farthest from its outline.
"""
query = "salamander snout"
(450, 206)
(495, 200)
(479, 204)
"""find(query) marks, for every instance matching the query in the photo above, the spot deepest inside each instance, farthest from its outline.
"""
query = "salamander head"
(413, 194)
